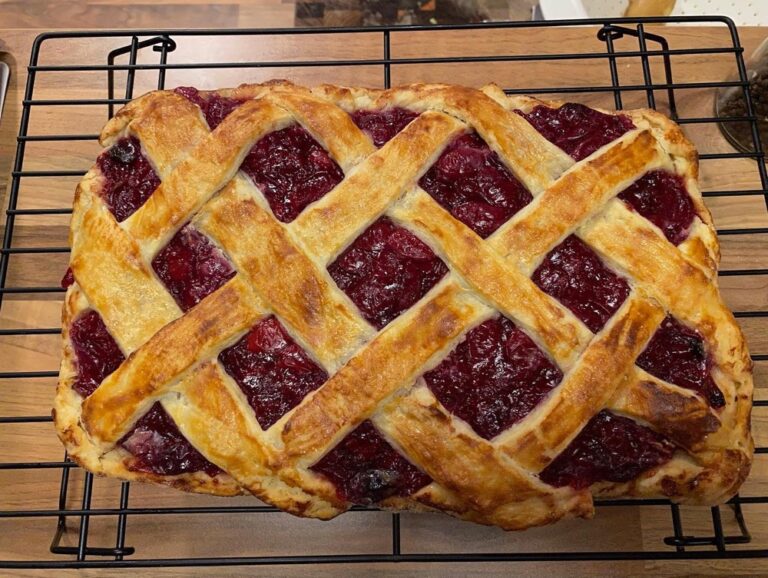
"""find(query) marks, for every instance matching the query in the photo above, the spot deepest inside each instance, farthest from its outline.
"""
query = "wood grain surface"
(613, 529)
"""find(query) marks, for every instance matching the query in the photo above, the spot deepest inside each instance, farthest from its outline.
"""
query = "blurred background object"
(379, 12)
(649, 8)
(730, 103)
(88, 14)
(5, 73)
(743, 12)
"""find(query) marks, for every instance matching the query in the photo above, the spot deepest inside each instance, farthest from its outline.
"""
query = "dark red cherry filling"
(292, 170)
(471, 182)
(574, 275)
(96, 351)
(386, 270)
(365, 469)
(676, 354)
(273, 371)
(577, 129)
(191, 267)
(382, 125)
(661, 197)
(493, 378)
(610, 448)
(159, 447)
(129, 179)
(68, 279)
(214, 107)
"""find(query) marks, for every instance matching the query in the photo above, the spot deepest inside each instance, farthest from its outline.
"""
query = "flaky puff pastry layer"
(171, 357)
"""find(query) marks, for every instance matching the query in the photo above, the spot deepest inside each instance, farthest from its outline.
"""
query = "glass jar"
(730, 102)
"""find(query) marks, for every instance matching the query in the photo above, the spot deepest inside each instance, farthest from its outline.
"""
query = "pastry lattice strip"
(486, 480)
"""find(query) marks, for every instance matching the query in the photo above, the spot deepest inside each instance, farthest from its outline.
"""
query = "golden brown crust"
(334, 221)
(352, 394)
(153, 369)
(586, 389)
(679, 414)
(83, 450)
(505, 288)
(171, 357)
(576, 195)
(276, 268)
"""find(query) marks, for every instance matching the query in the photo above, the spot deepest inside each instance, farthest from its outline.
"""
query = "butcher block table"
(614, 529)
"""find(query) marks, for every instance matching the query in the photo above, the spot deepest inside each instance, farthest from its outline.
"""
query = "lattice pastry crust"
(171, 357)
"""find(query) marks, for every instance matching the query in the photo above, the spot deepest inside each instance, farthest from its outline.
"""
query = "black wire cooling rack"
(141, 60)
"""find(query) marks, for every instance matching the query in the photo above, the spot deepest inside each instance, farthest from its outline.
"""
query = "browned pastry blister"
(172, 357)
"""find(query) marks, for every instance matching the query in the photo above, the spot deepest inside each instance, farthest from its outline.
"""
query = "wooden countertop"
(614, 528)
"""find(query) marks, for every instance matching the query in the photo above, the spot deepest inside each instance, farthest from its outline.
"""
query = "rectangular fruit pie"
(429, 298)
